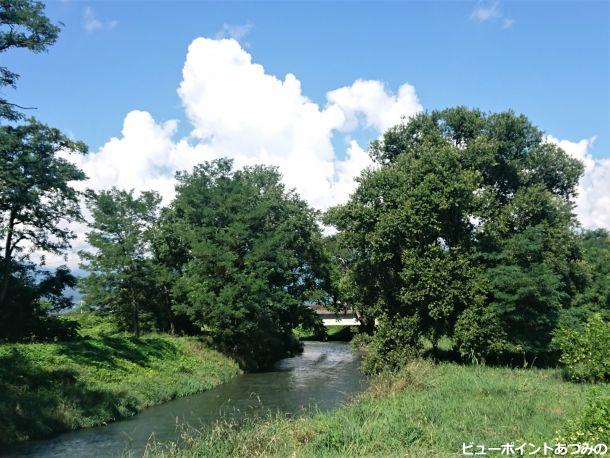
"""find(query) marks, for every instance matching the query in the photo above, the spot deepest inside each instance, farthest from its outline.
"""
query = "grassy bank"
(52, 387)
(427, 410)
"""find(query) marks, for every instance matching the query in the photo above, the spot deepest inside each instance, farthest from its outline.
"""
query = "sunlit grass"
(427, 410)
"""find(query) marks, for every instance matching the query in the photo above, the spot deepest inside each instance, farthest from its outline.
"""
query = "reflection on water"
(324, 375)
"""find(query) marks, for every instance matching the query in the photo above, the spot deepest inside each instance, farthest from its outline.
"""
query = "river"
(322, 377)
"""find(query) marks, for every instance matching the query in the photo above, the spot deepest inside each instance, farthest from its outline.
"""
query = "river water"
(322, 377)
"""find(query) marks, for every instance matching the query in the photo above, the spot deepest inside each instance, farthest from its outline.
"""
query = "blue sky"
(551, 63)
(156, 86)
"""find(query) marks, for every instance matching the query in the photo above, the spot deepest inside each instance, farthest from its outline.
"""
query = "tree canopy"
(464, 228)
(121, 278)
(24, 25)
(37, 199)
(254, 259)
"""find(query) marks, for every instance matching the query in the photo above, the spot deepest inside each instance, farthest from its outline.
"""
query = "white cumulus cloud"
(240, 111)
(237, 110)
(373, 104)
(593, 200)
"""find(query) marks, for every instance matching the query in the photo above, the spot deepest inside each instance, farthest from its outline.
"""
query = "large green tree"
(464, 228)
(595, 298)
(255, 260)
(37, 200)
(121, 278)
(24, 25)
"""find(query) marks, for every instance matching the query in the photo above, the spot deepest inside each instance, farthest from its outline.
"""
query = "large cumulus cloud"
(238, 110)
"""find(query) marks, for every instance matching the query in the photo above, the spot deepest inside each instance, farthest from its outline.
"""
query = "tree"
(37, 199)
(170, 254)
(595, 297)
(255, 260)
(465, 222)
(121, 278)
(22, 25)
(408, 234)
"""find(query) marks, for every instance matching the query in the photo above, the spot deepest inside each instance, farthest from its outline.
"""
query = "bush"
(592, 425)
(93, 324)
(54, 328)
(393, 345)
(479, 335)
(586, 354)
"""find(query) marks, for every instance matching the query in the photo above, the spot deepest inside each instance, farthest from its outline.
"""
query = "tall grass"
(426, 410)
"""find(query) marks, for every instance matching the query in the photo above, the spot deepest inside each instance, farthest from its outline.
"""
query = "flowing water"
(322, 377)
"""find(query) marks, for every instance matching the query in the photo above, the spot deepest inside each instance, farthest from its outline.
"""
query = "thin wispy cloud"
(486, 11)
(235, 31)
(91, 23)
(507, 23)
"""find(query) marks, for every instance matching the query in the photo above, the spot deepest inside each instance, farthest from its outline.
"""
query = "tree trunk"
(170, 313)
(135, 315)
(6, 264)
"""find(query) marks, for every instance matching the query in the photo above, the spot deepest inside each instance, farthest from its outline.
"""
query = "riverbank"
(426, 410)
(53, 387)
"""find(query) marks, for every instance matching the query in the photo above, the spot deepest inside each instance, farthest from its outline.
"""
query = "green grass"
(51, 387)
(93, 325)
(427, 410)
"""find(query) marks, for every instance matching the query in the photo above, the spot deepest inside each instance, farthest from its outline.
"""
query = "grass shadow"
(39, 401)
(106, 350)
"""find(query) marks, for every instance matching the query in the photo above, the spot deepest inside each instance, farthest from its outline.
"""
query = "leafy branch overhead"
(24, 25)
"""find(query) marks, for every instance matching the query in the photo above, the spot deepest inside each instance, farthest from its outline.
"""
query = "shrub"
(586, 354)
(592, 424)
(479, 335)
(391, 347)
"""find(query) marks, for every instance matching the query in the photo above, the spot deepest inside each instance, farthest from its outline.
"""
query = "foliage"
(422, 410)
(393, 347)
(466, 221)
(586, 353)
(37, 199)
(255, 260)
(595, 298)
(121, 276)
(22, 25)
(479, 334)
(53, 387)
(333, 333)
(92, 324)
(592, 424)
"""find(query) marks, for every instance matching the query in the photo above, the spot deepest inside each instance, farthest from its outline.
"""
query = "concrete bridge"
(331, 318)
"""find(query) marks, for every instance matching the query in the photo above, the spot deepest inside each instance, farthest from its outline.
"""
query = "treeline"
(464, 229)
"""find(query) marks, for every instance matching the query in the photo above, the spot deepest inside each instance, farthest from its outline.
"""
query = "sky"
(156, 86)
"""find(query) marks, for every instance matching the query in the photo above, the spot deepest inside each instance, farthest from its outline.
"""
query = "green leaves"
(586, 354)
(467, 221)
(37, 200)
(253, 259)
(22, 25)
(121, 276)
